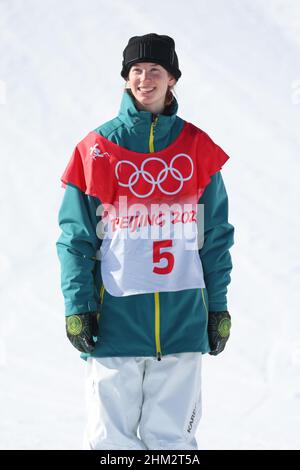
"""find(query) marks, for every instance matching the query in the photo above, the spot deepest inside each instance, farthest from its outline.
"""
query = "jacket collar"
(141, 120)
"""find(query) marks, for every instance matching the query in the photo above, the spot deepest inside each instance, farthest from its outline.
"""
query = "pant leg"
(114, 400)
(171, 408)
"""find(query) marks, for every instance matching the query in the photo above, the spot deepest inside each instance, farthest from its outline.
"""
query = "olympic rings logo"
(163, 174)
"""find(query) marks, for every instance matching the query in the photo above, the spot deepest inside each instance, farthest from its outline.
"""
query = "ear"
(172, 80)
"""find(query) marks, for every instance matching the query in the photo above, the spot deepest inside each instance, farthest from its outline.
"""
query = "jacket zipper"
(151, 137)
(157, 326)
(101, 294)
(156, 294)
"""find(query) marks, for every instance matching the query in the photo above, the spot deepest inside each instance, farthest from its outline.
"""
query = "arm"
(76, 249)
(218, 238)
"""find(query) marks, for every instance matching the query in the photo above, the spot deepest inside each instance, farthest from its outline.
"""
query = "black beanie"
(151, 48)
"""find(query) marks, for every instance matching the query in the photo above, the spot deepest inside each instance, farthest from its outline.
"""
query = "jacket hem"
(85, 356)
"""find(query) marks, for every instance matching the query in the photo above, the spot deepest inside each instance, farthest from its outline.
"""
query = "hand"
(219, 324)
(80, 330)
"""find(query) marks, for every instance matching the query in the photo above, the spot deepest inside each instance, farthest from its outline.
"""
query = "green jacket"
(152, 324)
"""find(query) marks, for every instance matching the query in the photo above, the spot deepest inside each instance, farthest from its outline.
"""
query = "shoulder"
(109, 128)
(196, 131)
(206, 143)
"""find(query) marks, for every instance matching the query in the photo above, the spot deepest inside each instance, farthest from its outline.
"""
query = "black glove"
(80, 330)
(219, 324)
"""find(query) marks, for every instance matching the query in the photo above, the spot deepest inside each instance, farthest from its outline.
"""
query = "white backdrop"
(60, 78)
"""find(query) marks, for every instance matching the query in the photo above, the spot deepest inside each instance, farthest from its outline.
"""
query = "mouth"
(146, 91)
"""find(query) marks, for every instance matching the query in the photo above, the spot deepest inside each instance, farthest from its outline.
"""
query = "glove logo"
(162, 175)
(224, 327)
(74, 325)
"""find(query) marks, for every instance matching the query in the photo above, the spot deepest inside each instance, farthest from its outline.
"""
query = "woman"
(142, 306)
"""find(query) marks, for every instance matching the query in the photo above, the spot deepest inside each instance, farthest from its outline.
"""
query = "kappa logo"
(95, 152)
(162, 176)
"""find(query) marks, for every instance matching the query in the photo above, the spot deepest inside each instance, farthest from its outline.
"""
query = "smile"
(145, 90)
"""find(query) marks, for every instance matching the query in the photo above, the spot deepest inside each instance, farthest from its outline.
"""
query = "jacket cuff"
(217, 307)
(72, 308)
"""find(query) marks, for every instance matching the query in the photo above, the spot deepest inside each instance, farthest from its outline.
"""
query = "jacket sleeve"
(218, 238)
(77, 248)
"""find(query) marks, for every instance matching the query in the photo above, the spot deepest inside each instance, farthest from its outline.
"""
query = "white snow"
(59, 79)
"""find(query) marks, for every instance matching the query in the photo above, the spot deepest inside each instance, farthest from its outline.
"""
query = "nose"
(144, 75)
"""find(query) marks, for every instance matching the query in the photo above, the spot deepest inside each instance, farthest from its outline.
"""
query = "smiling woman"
(143, 301)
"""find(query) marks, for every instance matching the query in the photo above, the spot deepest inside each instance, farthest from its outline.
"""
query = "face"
(149, 83)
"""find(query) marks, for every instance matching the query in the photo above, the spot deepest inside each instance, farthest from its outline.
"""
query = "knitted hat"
(151, 48)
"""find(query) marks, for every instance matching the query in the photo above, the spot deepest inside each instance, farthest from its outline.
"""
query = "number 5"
(157, 256)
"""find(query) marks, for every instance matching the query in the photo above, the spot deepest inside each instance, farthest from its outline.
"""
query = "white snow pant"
(161, 398)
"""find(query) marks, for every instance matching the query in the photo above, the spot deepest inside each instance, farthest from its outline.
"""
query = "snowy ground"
(60, 78)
